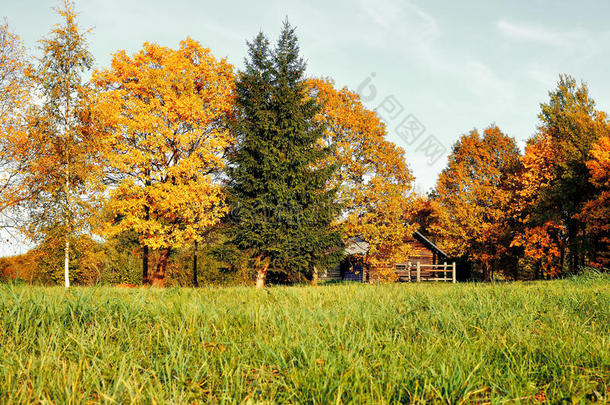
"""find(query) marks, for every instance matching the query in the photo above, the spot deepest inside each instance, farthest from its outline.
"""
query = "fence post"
(409, 268)
(453, 272)
(444, 271)
(418, 275)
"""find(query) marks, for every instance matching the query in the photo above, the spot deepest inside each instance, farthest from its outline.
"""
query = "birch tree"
(60, 152)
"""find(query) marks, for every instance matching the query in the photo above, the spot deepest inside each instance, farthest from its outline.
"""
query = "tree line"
(171, 167)
(534, 215)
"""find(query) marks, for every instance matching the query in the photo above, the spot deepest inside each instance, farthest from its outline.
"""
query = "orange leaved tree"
(472, 198)
(166, 110)
(15, 90)
(596, 212)
(539, 234)
(374, 183)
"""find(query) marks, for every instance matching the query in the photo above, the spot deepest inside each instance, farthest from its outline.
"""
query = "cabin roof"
(357, 245)
(429, 244)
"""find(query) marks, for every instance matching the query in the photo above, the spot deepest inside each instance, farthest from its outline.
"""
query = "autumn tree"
(60, 174)
(283, 208)
(596, 212)
(539, 234)
(15, 92)
(373, 181)
(556, 183)
(574, 126)
(473, 201)
(165, 111)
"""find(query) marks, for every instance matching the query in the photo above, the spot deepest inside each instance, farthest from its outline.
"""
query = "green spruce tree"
(282, 208)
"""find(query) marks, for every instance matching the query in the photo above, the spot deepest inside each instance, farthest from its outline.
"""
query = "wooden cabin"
(425, 263)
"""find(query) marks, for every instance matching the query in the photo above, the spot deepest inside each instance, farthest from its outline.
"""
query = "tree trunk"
(67, 190)
(486, 272)
(145, 253)
(67, 263)
(316, 276)
(145, 279)
(261, 276)
(158, 277)
(562, 257)
(67, 214)
(572, 248)
(195, 281)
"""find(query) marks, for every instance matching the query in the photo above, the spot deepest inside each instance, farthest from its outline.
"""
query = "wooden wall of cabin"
(421, 253)
(332, 274)
(352, 269)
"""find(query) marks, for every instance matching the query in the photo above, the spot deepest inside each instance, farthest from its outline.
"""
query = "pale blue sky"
(453, 65)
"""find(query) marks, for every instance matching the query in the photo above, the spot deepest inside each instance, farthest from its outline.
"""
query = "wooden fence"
(417, 272)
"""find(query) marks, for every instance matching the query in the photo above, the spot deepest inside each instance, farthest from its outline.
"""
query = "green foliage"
(212, 268)
(350, 343)
(121, 261)
(86, 264)
(232, 263)
(570, 119)
(281, 209)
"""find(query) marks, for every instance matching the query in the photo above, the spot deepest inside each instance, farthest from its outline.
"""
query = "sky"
(433, 70)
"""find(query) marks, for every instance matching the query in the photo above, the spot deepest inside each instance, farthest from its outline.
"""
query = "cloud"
(542, 74)
(528, 33)
(577, 43)
(402, 19)
(425, 174)
(486, 84)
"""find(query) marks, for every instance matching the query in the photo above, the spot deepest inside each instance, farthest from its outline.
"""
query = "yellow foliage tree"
(374, 183)
(166, 111)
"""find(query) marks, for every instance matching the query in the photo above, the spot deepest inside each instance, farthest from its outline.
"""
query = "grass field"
(472, 343)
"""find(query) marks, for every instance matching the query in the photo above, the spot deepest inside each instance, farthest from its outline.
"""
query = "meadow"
(521, 342)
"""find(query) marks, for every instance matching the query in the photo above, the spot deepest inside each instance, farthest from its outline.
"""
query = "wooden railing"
(417, 272)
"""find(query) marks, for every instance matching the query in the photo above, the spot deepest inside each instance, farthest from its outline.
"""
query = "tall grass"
(357, 343)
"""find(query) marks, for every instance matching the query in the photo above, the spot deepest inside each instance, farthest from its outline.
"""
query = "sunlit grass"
(340, 343)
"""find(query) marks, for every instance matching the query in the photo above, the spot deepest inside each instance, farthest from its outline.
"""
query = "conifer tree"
(282, 210)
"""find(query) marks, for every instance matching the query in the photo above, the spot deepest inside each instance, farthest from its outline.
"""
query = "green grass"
(341, 344)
